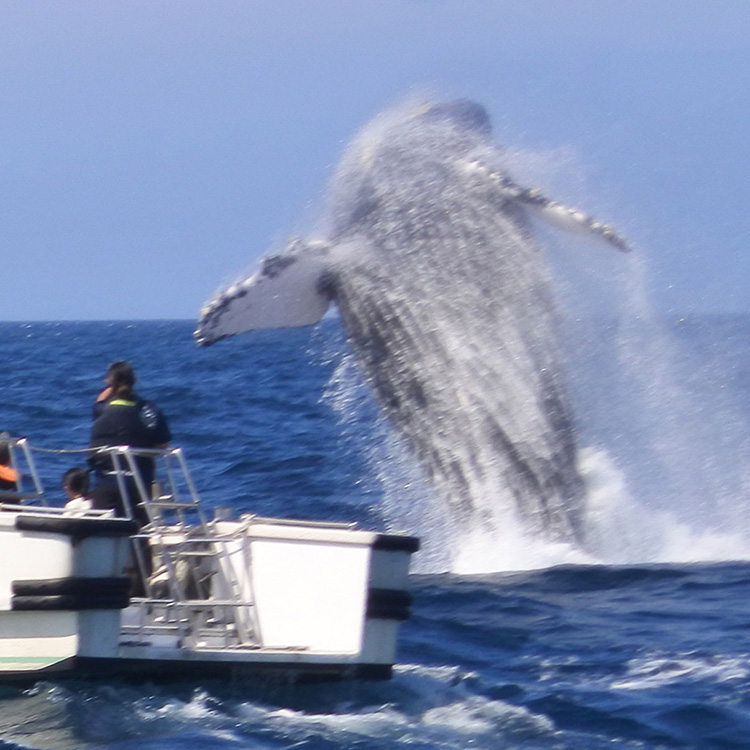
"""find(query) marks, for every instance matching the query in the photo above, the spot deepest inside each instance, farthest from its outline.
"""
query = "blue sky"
(150, 150)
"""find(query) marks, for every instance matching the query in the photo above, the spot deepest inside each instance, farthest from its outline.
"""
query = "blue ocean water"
(647, 648)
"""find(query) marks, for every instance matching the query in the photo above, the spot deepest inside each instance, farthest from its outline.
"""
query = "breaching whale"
(427, 250)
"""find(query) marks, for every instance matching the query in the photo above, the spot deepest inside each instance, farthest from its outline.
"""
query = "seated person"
(8, 475)
(76, 486)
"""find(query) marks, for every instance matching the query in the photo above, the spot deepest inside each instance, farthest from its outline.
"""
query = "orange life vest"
(8, 473)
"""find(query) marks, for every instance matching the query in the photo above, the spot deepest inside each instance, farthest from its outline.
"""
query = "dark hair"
(121, 377)
(5, 448)
(77, 480)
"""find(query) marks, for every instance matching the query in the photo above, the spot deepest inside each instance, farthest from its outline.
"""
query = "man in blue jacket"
(122, 417)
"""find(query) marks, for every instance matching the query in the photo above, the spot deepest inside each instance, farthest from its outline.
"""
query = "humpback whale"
(427, 248)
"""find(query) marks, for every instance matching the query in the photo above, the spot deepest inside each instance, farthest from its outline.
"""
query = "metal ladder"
(178, 538)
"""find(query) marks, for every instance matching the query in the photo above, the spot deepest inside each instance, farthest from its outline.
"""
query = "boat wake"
(439, 706)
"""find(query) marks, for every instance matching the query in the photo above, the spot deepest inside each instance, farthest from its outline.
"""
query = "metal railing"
(178, 554)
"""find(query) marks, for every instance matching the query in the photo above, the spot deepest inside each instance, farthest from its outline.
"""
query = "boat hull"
(296, 601)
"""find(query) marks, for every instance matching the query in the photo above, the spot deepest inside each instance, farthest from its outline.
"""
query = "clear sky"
(150, 150)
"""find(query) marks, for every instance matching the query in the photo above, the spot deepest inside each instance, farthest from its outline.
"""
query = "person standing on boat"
(122, 417)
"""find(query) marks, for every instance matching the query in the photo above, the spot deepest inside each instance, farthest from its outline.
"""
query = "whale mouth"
(204, 339)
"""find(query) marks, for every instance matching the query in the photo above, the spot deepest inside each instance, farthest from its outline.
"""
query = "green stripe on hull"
(14, 663)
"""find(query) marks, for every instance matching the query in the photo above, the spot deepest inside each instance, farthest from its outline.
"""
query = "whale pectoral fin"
(571, 219)
(558, 214)
(287, 291)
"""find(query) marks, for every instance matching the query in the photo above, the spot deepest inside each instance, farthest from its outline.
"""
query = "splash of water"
(671, 441)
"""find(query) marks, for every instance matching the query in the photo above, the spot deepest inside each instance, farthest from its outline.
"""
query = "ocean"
(641, 642)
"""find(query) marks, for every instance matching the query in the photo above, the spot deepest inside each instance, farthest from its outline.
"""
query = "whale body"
(427, 249)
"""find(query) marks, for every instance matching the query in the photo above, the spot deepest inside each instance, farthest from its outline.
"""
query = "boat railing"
(177, 555)
(346, 525)
(7, 497)
(22, 460)
(48, 510)
(205, 623)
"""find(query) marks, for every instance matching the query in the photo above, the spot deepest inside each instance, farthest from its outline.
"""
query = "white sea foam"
(425, 704)
(484, 717)
(656, 671)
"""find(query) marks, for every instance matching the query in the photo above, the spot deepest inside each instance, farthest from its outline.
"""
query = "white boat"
(220, 597)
